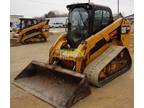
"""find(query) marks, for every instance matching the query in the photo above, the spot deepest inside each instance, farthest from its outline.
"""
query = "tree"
(55, 13)
(50, 14)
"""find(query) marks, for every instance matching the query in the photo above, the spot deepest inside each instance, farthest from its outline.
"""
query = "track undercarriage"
(114, 62)
(35, 39)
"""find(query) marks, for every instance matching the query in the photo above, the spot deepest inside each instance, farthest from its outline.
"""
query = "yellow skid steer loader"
(31, 30)
(95, 50)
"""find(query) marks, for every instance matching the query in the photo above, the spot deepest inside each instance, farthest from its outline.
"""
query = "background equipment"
(31, 31)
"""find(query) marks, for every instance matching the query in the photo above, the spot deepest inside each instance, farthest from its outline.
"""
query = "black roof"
(91, 5)
(28, 18)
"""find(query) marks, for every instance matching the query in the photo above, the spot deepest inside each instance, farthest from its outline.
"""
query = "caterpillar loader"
(31, 31)
(95, 50)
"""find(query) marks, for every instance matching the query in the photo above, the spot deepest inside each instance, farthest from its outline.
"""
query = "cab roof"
(85, 5)
(28, 18)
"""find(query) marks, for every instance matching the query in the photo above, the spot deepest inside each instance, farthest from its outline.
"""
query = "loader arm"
(105, 33)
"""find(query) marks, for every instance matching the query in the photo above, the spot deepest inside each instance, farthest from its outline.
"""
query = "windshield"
(27, 23)
(78, 25)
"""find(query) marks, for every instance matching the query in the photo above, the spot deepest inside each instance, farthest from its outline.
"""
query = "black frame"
(30, 19)
(91, 8)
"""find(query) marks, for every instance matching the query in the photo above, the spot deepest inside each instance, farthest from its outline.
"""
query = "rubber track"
(94, 68)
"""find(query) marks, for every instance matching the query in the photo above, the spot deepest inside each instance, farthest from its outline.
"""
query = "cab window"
(101, 19)
(97, 19)
(106, 18)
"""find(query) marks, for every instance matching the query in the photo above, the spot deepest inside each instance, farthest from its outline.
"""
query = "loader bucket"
(55, 85)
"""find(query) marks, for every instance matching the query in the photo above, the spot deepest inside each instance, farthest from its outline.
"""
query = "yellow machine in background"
(95, 49)
(32, 31)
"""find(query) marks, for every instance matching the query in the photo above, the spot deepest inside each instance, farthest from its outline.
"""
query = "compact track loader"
(31, 31)
(93, 51)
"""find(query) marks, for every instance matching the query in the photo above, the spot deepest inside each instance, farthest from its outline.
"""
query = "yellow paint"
(98, 52)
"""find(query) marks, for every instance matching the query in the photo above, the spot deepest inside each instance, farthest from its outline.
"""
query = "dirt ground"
(116, 94)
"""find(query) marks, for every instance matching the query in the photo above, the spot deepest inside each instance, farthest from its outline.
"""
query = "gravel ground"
(117, 94)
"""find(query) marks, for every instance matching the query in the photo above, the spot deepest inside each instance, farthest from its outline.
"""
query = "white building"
(14, 20)
(57, 21)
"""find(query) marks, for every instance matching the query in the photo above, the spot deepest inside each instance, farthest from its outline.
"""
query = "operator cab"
(86, 19)
(27, 22)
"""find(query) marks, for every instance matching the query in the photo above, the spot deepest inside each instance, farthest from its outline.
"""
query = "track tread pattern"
(94, 68)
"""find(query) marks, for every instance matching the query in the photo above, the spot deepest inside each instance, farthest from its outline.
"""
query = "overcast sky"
(31, 8)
